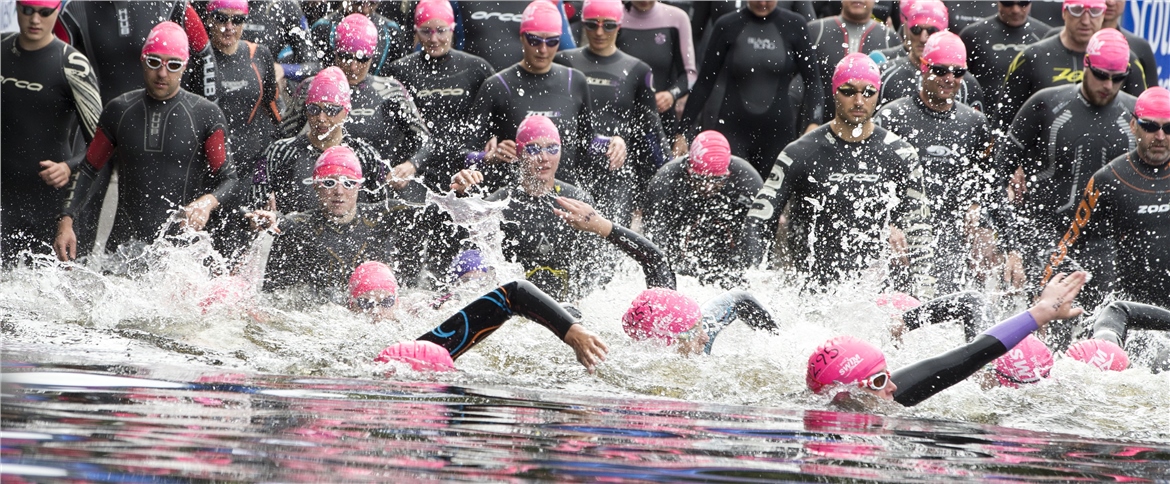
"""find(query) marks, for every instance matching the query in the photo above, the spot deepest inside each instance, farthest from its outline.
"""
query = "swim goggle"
(154, 63)
(534, 150)
(328, 183)
(369, 304)
(876, 382)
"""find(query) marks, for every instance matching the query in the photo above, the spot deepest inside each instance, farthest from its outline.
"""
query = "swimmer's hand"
(499, 151)
(401, 175)
(196, 214)
(465, 179)
(616, 153)
(65, 244)
(1055, 302)
(55, 174)
(590, 349)
(583, 217)
(263, 220)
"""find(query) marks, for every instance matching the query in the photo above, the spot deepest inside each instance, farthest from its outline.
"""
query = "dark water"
(125, 423)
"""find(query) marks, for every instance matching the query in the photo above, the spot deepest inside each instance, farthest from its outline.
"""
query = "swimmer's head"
(536, 127)
(357, 35)
(1028, 362)
(338, 160)
(857, 67)
(540, 16)
(373, 288)
(710, 154)
(663, 314)
(428, 10)
(468, 263)
(603, 9)
(330, 86)
(420, 355)
(1108, 50)
(944, 49)
(1105, 355)
(845, 360)
(167, 40)
(1154, 103)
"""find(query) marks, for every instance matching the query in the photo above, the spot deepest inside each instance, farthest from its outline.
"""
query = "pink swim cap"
(428, 10)
(540, 16)
(40, 3)
(534, 127)
(167, 39)
(356, 34)
(927, 12)
(710, 154)
(241, 5)
(1102, 354)
(1153, 103)
(372, 276)
(945, 49)
(904, 10)
(842, 360)
(899, 301)
(420, 355)
(603, 9)
(330, 86)
(1028, 362)
(1108, 50)
(661, 313)
(338, 160)
(857, 67)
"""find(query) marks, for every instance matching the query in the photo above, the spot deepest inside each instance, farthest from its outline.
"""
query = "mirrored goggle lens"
(329, 109)
(155, 63)
(534, 150)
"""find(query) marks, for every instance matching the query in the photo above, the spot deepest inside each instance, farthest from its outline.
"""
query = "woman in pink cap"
(390, 40)
(381, 111)
(443, 82)
(537, 86)
(844, 363)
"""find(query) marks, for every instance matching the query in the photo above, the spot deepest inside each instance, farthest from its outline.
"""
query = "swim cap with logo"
(1105, 355)
(1153, 103)
(420, 355)
(662, 314)
(1028, 362)
(1108, 50)
(842, 360)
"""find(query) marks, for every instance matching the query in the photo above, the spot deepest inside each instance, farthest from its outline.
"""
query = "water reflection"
(129, 424)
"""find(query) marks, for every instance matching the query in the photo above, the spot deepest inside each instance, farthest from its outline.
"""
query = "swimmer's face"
(1100, 92)
(940, 88)
(537, 163)
(1081, 28)
(34, 28)
(355, 68)
(857, 10)
(161, 83)
(538, 58)
(322, 123)
(223, 32)
(695, 344)
(1015, 15)
(761, 9)
(856, 101)
(435, 37)
(1152, 148)
(918, 41)
(599, 38)
(887, 392)
(337, 201)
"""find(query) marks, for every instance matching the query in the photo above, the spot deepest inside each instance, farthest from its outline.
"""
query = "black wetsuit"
(991, 46)
(443, 89)
(168, 153)
(491, 31)
(760, 57)
(923, 379)
(1061, 140)
(1113, 322)
(316, 251)
(661, 37)
(485, 315)
(111, 34)
(703, 14)
(286, 163)
(968, 308)
(382, 114)
(1139, 48)
(900, 79)
(1047, 64)
(562, 95)
(393, 43)
(623, 101)
(964, 14)
(280, 26)
(247, 81)
(47, 94)
(832, 39)
(730, 306)
(843, 196)
(954, 150)
(699, 233)
(1127, 201)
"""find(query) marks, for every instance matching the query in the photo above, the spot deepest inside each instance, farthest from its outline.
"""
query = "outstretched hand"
(582, 216)
(590, 349)
(1055, 302)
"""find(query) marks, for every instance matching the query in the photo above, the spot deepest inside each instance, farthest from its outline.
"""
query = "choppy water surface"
(177, 374)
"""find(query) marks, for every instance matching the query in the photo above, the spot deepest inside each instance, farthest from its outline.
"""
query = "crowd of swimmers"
(945, 152)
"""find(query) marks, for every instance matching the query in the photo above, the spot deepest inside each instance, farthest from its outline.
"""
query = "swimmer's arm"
(726, 308)
(582, 217)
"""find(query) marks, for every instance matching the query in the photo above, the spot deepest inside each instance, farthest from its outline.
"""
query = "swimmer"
(673, 318)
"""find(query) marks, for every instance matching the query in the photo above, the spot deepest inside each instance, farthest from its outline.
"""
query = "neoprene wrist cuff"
(1014, 329)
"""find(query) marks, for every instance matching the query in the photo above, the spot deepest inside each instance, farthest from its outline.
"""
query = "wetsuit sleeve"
(730, 306)
(813, 107)
(1118, 317)
(924, 379)
(649, 256)
(221, 176)
(713, 59)
(99, 152)
(646, 128)
(260, 176)
(764, 217)
(294, 113)
(686, 52)
(87, 97)
(267, 67)
(482, 116)
(969, 308)
(659, 210)
(483, 316)
(402, 113)
(913, 217)
(200, 77)
(567, 41)
(1135, 83)
(700, 15)
(975, 97)
(296, 37)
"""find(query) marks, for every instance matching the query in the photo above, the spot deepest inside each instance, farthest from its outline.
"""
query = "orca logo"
(1015, 47)
(1150, 209)
(441, 92)
(32, 86)
(859, 177)
(503, 17)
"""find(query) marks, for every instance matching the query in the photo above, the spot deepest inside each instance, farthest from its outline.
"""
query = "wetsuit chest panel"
(491, 30)
(613, 83)
(241, 86)
(759, 65)
(657, 48)
(38, 113)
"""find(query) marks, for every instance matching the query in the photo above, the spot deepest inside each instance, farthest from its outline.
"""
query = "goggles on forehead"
(1076, 10)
